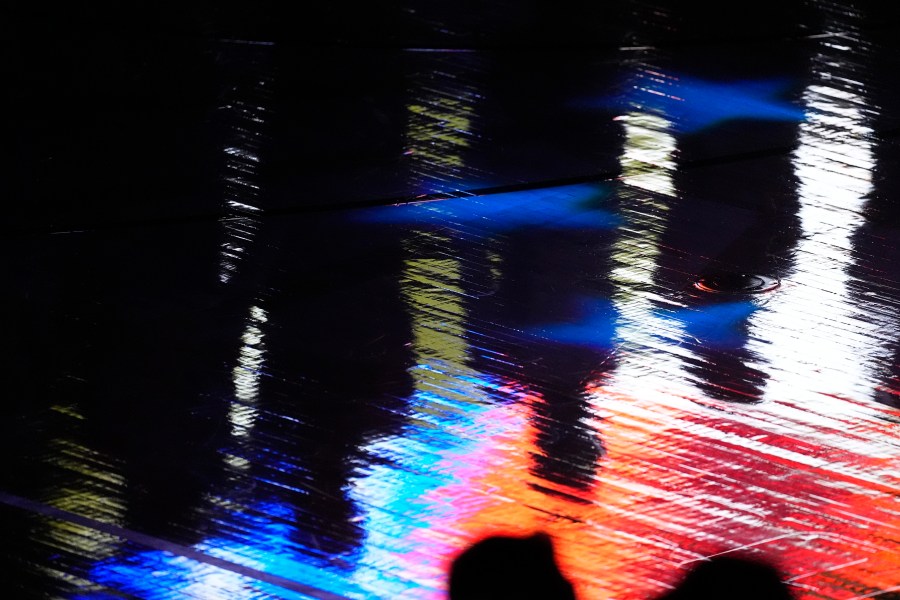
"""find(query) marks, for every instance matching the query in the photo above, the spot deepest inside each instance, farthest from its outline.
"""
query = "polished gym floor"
(302, 310)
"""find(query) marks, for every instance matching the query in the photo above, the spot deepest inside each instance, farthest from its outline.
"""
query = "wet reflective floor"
(303, 313)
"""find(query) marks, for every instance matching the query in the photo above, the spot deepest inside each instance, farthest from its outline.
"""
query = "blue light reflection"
(395, 490)
(390, 491)
(721, 326)
(695, 104)
(266, 546)
(564, 207)
(595, 326)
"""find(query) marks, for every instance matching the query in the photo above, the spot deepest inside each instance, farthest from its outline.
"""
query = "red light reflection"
(681, 482)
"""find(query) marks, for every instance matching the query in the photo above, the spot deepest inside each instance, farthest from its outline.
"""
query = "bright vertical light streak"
(432, 292)
(245, 116)
(648, 155)
(245, 375)
(817, 343)
(241, 220)
(647, 162)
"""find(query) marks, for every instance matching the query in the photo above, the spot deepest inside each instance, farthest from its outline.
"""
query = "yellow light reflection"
(439, 128)
(432, 290)
(93, 490)
(437, 133)
(434, 298)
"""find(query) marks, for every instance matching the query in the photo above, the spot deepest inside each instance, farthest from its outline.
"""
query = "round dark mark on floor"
(736, 283)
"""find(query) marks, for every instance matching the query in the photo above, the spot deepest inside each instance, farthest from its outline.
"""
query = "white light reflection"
(246, 374)
(647, 161)
(648, 156)
(246, 121)
(245, 116)
(817, 343)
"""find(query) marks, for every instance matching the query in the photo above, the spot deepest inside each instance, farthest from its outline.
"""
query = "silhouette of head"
(732, 579)
(509, 567)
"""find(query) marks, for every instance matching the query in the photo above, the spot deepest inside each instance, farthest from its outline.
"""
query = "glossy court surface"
(300, 310)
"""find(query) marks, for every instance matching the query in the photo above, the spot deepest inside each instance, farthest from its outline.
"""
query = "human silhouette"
(731, 578)
(509, 567)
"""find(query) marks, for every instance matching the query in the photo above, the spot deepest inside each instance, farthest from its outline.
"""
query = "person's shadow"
(509, 567)
(733, 578)
(525, 568)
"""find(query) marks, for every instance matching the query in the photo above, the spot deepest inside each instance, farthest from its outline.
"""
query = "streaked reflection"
(691, 341)
(244, 113)
(628, 319)
(693, 104)
(246, 374)
(438, 133)
(581, 206)
(441, 122)
(678, 482)
(818, 344)
(432, 292)
(647, 161)
(648, 155)
(241, 222)
(92, 486)
(647, 363)
(444, 422)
